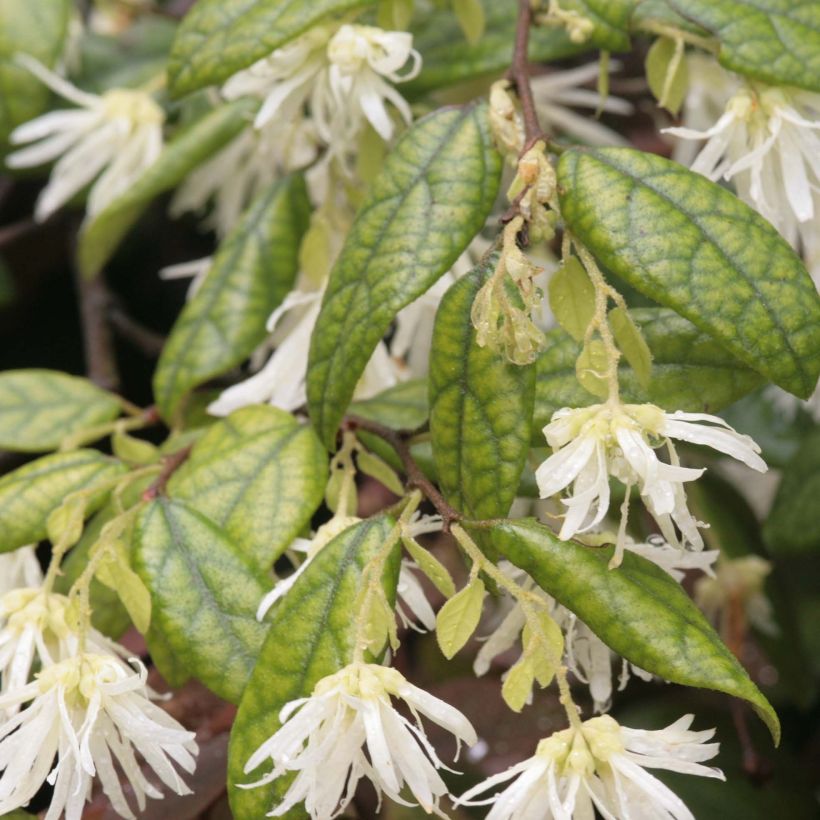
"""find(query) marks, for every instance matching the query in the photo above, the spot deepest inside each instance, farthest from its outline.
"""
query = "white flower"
(765, 142)
(19, 568)
(600, 765)
(89, 711)
(196, 270)
(343, 78)
(738, 582)
(586, 655)
(620, 440)
(110, 138)
(282, 381)
(34, 626)
(555, 91)
(323, 739)
(245, 167)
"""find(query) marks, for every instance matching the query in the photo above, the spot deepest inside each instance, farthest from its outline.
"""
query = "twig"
(144, 339)
(170, 464)
(520, 74)
(100, 361)
(398, 440)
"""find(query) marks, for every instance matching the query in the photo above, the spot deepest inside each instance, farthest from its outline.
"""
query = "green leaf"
(115, 572)
(481, 408)
(38, 29)
(252, 272)
(777, 41)
(403, 407)
(458, 618)
(40, 408)
(431, 198)
(217, 38)
(438, 574)
(572, 298)
(667, 73)
(470, 16)
(448, 58)
(260, 475)
(310, 637)
(590, 366)
(101, 234)
(31, 493)
(610, 19)
(372, 465)
(690, 371)
(632, 344)
(205, 594)
(693, 246)
(659, 17)
(793, 527)
(638, 610)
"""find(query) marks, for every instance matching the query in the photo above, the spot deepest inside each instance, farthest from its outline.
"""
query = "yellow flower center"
(136, 106)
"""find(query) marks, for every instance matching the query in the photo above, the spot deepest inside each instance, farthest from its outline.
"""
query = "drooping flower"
(621, 440)
(109, 140)
(766, 143)
(555, 92)
(90, 712)
(738, 583)
(600, 765)
(586, 655)
(323, 739)
(19, 568)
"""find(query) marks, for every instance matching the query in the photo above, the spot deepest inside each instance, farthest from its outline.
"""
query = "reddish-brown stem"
(520, 74)
(170, 464)
(398, 440)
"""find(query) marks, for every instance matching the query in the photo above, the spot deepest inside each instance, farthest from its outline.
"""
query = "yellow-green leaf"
(572, 298)
(458, 618)
(667, 73)
(438, 574)
(470, 15)
(632, 344)
(590, 367)
(115, 572)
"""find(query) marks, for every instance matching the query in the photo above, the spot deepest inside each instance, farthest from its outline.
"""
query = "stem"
(566, 699)
(170, 465)
(101, 363)
(520, 74)
(398, 440)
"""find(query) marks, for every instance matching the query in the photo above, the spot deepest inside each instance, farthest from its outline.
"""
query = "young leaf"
(38, 29)
(204, 593)
(518, 683)
(403, 407)
(217, 38)
(251, 273)
(777, 41)
(115, 572)
(609, 18)
(458, 618)
(632, 344)
(259, 475)
(39, 408)
(590, 366)
(638, 610)
(438, 574)
(691, 245)
(470, 15)
(370, 464)
(29, 494)
(102, 233)
(572, 298)
(690, 372)
(308, 639)
(433, 195)
(480, 408)
(667, 73)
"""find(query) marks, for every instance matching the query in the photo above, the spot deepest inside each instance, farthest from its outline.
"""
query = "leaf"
(259, 475)
(470, 16)
(29, 494)
(610, 19)
(572, 298)
(38, 29)
(403, 407)
(458, 618)
(590, 366)
(251, 273)
(309, 638)
(372, 465)
(638, 610)
(101, 234)
(116, 573)
(693, 246)
(690, 371)
(217, 38)
(449, 59)
(40, 408)
(632, 344)
(667, 73)
(431, 198)
(658, 16)
(438, 574)
(204, 593)
(777, 41)
(793, 527)
(480, 408)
